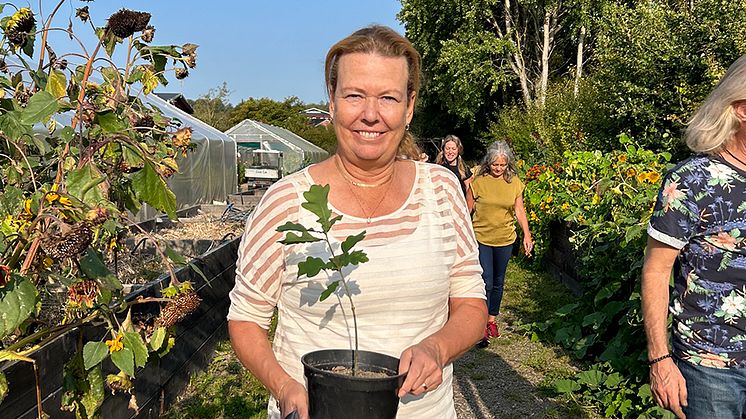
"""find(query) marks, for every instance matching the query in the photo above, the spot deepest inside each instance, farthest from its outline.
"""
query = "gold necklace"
(348, 177)
(368, 217)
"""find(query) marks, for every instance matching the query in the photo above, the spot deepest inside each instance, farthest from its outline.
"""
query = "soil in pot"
(335, 396)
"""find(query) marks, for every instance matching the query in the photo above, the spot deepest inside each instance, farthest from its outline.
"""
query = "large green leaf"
(149, 187)
(95, 268)
(157, 338)
(93, 396)
(10, 201)
(40, 107)
(591, 378)
(124, 359)
(94, 353)
(109, 121)
(3, 386)
(134, 342)
(566, 386)
(57, 84)
(317, 201)
(351, 241)
(311, 266)
(305, 237)
(83, 184)
(13, 127)
(17, 302)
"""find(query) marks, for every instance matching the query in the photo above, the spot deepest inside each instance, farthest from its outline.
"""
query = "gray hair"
(497, 149)
(714, 125)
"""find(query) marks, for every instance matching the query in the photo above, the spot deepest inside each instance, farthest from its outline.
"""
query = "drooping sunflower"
(126, 22)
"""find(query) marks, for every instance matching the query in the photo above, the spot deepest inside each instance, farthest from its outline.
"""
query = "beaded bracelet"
(659, 359)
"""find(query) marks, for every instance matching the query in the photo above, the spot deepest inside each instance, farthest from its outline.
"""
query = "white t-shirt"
(420, 256)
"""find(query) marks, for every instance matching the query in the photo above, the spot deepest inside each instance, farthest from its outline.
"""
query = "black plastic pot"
(336, 396)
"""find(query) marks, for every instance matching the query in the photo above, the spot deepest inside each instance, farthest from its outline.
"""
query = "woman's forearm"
(465, 326)
(251, 344)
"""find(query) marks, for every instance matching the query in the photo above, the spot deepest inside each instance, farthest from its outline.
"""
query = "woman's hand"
(528, 244)
(293, 398)
(423, 366)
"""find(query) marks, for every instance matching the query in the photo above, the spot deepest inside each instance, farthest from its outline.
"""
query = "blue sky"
(270, 48)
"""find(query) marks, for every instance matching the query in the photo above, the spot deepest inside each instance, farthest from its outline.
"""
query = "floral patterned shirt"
(701, 210)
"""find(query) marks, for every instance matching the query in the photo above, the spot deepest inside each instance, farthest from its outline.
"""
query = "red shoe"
(492, 330)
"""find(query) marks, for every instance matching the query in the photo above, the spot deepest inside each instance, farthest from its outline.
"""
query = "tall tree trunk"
(579, 61)
(519, 64)
(545, 51)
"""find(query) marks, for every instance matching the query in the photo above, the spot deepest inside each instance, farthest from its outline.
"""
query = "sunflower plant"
(605, 201)
(80, 150)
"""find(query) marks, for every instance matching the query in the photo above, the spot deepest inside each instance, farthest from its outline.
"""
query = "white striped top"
(420, 255)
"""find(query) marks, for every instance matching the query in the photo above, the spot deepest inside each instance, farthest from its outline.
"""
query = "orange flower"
(631, 172)
(622, 158)
(115, 345)
(654, 177)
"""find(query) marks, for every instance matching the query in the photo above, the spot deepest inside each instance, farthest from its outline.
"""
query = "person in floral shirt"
(698, 231)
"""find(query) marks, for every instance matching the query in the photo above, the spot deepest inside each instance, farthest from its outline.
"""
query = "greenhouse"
(296, 152)
(208, 172)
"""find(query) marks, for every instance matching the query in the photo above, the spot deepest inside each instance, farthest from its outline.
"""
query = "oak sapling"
(317, 202)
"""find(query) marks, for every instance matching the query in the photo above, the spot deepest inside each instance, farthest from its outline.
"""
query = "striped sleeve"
(260, 265)
(466, 272)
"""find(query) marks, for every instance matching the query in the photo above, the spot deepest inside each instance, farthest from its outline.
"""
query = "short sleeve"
(466, 272)
(675, 216)
(260, 263)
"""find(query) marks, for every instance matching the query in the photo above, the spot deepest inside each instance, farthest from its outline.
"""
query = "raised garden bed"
(161, 380)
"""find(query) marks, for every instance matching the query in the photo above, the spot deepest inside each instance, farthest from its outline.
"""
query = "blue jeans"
(714, 393)
(494, 261)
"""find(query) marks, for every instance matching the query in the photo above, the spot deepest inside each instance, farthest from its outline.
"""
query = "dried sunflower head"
(22, 95)
(181, 73)
(83, 14)
(148, 33)
(4, 275)
(178, 308)
(189, 49)
(83, 294)
(70, 244)
(182, 138)
(19, 25)
(126, 22)
(119, 383)
(191, 61)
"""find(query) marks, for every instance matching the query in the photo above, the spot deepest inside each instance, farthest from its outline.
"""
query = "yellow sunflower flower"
(115, 345)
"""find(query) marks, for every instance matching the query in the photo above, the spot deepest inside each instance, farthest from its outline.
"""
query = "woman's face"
(370, 107)
(450, 151)
(498, 166)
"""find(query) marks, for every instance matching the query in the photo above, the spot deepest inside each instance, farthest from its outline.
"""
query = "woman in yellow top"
(495, 200)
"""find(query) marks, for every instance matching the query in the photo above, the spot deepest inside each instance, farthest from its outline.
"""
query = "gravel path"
(505, 380)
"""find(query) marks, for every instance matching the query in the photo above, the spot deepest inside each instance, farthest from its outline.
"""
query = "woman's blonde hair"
(497, 149)
(713, 126)
(386, 42)
(441, 158)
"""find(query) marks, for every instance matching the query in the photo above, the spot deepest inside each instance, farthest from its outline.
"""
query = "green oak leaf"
(311, 267)
(305, 237)
(329, 290)
(317, 201)
(351, 241)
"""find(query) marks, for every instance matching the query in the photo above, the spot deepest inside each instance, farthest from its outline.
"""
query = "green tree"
(654, 62)
(213, 107)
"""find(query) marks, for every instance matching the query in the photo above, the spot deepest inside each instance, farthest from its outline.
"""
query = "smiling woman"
(420, 298)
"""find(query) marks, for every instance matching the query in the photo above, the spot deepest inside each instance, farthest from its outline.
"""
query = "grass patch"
(225, 390)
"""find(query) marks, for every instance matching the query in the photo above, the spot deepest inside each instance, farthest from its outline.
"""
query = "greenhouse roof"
(250, 131)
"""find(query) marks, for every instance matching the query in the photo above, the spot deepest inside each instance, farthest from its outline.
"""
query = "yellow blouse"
(494, 209)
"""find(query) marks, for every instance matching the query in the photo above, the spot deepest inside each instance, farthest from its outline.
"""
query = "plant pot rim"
(315, 369)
